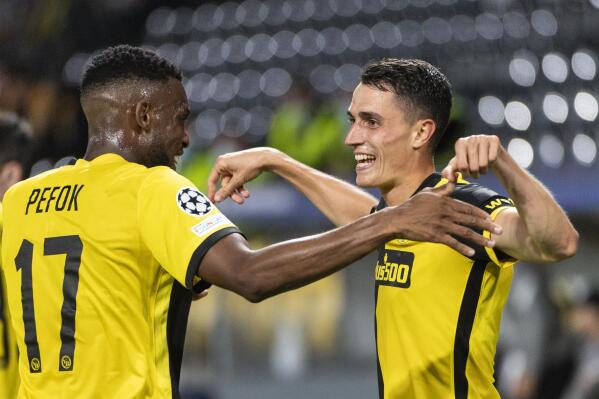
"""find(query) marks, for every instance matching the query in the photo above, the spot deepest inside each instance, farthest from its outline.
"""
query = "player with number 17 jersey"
(83, 246)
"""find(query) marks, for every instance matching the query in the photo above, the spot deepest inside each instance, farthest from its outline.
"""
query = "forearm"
(340, 201)
(543, 232)
(295, 263)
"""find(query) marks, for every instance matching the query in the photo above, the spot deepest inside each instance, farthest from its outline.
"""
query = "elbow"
(570, 245)
(567, 246)
(250, 288)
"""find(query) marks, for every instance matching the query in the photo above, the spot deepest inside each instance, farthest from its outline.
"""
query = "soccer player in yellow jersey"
(15, 157)
(100, 257)
(437, 311)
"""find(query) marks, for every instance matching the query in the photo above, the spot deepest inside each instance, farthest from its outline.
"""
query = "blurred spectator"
(584, 321)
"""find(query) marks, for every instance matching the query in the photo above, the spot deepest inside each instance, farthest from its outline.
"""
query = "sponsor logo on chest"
(394, 268)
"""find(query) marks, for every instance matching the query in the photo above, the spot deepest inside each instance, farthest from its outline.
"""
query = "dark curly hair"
(125, 62)
(16, 142)
(422, 89)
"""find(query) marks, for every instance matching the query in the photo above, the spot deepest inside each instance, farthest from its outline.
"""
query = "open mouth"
(364, 160)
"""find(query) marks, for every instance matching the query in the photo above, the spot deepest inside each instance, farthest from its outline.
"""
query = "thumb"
(445, 189)
(449, 172)
(228, 187)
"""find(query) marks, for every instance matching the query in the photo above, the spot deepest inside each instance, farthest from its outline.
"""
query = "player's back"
(89, 302)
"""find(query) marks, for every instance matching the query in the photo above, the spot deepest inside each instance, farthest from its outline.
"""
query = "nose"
(354, 136)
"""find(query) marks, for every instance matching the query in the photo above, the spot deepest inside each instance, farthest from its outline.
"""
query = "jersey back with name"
(99, 259)
(438, 312)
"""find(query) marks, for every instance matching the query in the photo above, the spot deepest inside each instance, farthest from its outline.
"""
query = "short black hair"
(16, 141)
(125, 62)
(421, 87)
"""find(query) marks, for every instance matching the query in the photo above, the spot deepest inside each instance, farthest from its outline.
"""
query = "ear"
(423, 133)
(10, 173)
(142, 115)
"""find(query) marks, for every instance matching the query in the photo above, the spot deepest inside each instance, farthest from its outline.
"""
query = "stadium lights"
(555, 107)
(551, 151)
(489, 26)
(584, 64)
(386, 35)
(586, 106)
(491, 110)
(544, 22)
(522, 71)
(555, 67)
(521, 151)
(516, 25)
(584, 149)
(518, 115)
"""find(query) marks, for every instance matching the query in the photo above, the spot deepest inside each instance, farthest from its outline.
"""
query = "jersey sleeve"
(492, 203)
(179, 224)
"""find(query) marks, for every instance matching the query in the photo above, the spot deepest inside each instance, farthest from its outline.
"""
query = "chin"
(363, 181)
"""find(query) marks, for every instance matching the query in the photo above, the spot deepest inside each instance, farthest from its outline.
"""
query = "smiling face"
(165, 135)
(382, 137)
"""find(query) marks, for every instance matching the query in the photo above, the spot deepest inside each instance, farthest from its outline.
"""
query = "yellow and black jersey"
(438, 312)
(99, 259)
(9, 373)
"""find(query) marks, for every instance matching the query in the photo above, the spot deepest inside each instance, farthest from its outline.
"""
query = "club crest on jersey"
(193, 202)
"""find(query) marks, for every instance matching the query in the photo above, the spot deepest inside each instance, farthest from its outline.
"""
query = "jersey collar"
(101, 160)
(430, 181)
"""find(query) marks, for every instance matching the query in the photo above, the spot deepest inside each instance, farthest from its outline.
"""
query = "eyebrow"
(367, 115)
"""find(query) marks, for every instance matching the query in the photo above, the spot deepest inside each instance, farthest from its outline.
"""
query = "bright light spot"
(275, 82)
(586, 106)
(517, 115)
(555, 108)
(595, 3)
(491, 110)
(551, 150)
(489, 26)
(544, 22)
(522, 72)
(521, 151)
(584, 65)
(584, 149)
(555, 67)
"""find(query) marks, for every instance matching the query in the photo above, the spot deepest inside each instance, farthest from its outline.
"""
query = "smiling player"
(437, 311)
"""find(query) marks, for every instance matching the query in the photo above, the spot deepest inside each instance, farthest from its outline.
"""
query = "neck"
(107, 143)
(404, 189)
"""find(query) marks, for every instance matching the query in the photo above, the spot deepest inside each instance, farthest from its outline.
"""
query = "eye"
(371, 123)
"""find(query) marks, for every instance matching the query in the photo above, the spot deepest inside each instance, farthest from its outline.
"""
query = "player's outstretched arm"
(340, 201)
(538, 230)
(429, 216)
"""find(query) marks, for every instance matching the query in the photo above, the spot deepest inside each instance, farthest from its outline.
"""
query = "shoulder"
(163, 176)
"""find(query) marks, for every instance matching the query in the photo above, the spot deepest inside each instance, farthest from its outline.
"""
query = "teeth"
(364, 157)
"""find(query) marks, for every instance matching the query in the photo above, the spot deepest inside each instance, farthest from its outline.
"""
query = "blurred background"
(281, 73)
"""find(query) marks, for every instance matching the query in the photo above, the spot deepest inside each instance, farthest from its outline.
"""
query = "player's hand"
(474, 155)
(203, 294)
(433, 216)
(235, 169)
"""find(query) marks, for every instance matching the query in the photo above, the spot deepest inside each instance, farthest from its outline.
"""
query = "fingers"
(445, 189)
(229, 187)
(212, 183)
(458, 246)
(201, 295)
(471, 236)
(483, 156)
(449, 172)
(472, 152)
(461, 158)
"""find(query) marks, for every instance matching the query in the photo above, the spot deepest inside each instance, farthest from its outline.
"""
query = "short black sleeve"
(490, 202)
